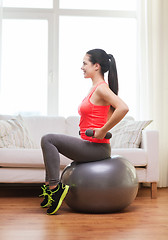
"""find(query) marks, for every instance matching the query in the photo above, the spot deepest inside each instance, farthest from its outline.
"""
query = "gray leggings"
(74, 148)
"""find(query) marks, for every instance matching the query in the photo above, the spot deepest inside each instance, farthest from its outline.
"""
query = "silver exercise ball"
(108, 185)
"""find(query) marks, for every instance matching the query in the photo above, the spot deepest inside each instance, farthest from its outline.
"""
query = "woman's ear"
(97, 66)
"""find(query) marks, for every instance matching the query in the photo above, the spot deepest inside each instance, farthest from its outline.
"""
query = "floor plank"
(22, 218)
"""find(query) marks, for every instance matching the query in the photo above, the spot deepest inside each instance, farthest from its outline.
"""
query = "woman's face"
(88, 67)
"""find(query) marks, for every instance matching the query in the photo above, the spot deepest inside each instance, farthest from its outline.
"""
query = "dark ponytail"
(107, 63)
(112, 75)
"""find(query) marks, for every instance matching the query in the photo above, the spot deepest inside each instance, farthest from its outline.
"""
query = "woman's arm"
(120, 109)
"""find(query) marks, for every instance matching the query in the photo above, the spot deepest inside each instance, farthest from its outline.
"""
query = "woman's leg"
(74, 148)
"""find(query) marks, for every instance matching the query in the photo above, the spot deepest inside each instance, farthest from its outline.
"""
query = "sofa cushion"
(25, 158)
(38, 126)
(128, 133)
(21, 157)
(22, 175)
(138, 157)
(14, 134)
(72, 126)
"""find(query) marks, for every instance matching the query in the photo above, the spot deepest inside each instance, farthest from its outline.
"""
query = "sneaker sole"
(61, 200)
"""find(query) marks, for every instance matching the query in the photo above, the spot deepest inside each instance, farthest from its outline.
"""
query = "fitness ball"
(108, 185)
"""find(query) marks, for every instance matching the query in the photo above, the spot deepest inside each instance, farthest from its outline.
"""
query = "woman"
(101, 110)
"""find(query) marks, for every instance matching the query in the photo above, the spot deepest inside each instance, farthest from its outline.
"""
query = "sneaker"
(45, 194)
(56, 197)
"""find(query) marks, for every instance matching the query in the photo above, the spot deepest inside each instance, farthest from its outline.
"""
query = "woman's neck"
(97, 80)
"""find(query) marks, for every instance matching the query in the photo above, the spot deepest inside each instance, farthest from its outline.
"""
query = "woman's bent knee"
(45, 139)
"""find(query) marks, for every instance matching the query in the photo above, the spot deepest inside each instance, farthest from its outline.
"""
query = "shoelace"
(63, 186)
(50, 199)
(44, 188)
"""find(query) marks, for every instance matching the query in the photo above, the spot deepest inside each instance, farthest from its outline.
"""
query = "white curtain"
(153, 45)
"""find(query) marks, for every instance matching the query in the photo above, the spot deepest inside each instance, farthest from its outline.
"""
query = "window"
(24, 65)
(99, 4)
(44, 42)
(28, 3)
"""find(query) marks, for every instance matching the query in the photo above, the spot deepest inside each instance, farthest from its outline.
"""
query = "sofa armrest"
(150, 143)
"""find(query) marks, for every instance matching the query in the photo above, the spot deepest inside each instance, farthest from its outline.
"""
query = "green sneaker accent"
(45, 195)
(56, 198)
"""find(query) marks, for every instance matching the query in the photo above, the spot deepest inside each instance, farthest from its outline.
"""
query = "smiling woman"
(77, 35)
(97, 116)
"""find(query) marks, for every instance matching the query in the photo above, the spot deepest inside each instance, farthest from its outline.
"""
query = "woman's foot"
(56, 197)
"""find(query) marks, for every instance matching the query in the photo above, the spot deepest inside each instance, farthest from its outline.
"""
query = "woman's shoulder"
(105, 93)
(102, 88)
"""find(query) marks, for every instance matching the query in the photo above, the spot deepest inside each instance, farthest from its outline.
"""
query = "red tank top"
(92, 116)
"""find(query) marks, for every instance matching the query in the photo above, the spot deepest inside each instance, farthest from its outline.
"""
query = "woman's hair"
(107, 63)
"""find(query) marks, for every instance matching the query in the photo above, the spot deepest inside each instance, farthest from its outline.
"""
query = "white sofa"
(25, 165)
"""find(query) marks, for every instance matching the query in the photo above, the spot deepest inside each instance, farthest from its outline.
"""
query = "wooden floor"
(21, 218)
